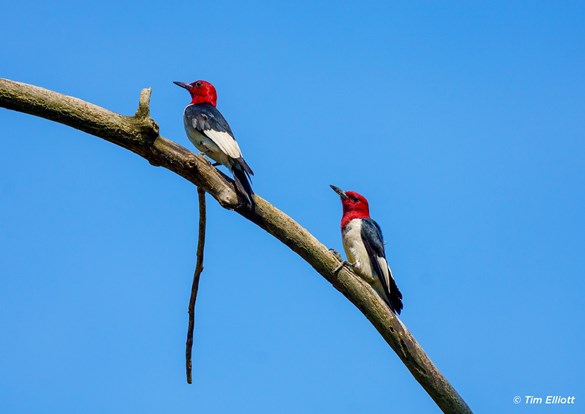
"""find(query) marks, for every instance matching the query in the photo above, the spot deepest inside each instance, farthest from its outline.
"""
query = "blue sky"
(461, 122)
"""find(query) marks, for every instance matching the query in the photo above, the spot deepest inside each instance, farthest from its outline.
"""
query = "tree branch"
(139, 134)
(195, 285)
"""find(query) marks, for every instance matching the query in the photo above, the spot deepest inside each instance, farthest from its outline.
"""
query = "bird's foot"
(338, 268)
(336, 254)
(343, 262)
(341, 265)
(206, 154)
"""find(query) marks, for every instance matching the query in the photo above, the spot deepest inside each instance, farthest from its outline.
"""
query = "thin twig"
(195, 286)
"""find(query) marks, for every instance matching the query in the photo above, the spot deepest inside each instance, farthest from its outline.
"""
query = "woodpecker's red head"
(201, 92)
(355, 206)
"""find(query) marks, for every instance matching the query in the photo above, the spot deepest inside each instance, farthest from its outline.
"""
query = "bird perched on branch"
(208, 130)
(364, 246)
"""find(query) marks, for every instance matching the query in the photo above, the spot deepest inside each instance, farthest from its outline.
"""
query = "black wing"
(374, 242)
(208, 117)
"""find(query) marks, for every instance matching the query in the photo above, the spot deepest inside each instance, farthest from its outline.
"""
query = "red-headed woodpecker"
(364, 247)
(208, 130)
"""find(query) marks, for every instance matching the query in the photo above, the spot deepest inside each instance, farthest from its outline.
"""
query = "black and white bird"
(364, 246)
(208, 130)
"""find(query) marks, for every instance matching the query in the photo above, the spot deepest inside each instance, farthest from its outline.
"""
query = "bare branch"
(195, 285)
(142, 138)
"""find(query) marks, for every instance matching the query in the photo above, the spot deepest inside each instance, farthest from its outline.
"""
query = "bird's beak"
(182, 85)
(338, 191)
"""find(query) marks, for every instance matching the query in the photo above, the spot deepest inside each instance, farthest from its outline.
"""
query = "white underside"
(358, 256)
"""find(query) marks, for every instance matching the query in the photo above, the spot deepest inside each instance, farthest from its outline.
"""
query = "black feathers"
(207, 117)
(374, 242)
(242, 172)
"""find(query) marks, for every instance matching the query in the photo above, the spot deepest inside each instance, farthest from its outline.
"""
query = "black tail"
(395, 297)
(242, 173)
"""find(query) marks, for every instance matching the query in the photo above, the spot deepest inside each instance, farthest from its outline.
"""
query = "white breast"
(356, 251)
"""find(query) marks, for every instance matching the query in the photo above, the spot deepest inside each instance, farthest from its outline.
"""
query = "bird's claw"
(343, 262)
(205, 154)
(336, 254)
(338, 268)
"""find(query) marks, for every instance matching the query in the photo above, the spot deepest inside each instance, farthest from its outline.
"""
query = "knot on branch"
(192, 161)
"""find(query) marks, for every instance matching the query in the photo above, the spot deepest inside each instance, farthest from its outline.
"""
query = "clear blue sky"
(462, 122)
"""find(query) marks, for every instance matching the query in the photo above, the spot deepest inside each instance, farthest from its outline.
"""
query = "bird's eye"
(355, 199)
(198, 84)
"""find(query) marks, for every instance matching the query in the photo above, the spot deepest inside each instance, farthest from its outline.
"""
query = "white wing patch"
(226, 143)
(386, 270)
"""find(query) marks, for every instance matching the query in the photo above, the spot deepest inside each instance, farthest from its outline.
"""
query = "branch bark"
(139, 134)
